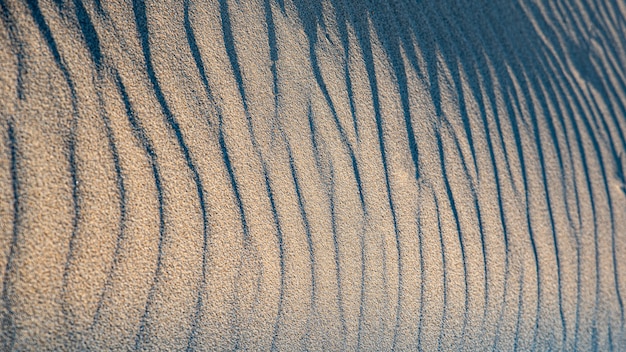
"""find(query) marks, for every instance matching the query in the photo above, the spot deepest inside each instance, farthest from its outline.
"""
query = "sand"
(312, 175)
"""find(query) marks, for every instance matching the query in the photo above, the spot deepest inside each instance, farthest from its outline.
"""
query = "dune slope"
(312, 175)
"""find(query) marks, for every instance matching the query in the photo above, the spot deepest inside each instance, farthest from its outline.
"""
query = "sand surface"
(312, 175)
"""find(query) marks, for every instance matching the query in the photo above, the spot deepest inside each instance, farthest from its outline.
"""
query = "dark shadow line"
(444, 316)
(576, 141)
(598, 155)
(518, 143)
(509, 97)
(273, 49)
(610, 336)
(420, 238)
(546, 189)
(588, 72)
(242, 215)
(331, 196)
(551, 81)
(340, 17)
(478, 93)
(93, 44)
(532, 234)
(307, 227)
(477, 208)
(231, 51)
(583, 154)
(449, 55)
(477, 70)
(140, 135)
(506, 49)
(365, 45)
(141, 22)
(119, 179)
(99, 8)
(46, 33)
(603, 91)
(405, 19)
(545, 61)
(16, 46)
(310, 29)
(229, 43)
(600, 159)
(520, 304)
(275, 89)
(89, 32)
(479, 66)
(455, 71)
(281, 249)
(455, 215)
(535, 86)
(393, 47)
(529, 222)
(552, 96)
(8, 334)
(195, 53)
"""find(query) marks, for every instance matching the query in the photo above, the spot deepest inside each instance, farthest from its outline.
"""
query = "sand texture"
(312, 175)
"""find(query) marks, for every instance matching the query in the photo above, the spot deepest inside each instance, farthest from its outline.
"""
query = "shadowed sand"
(312, 175)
